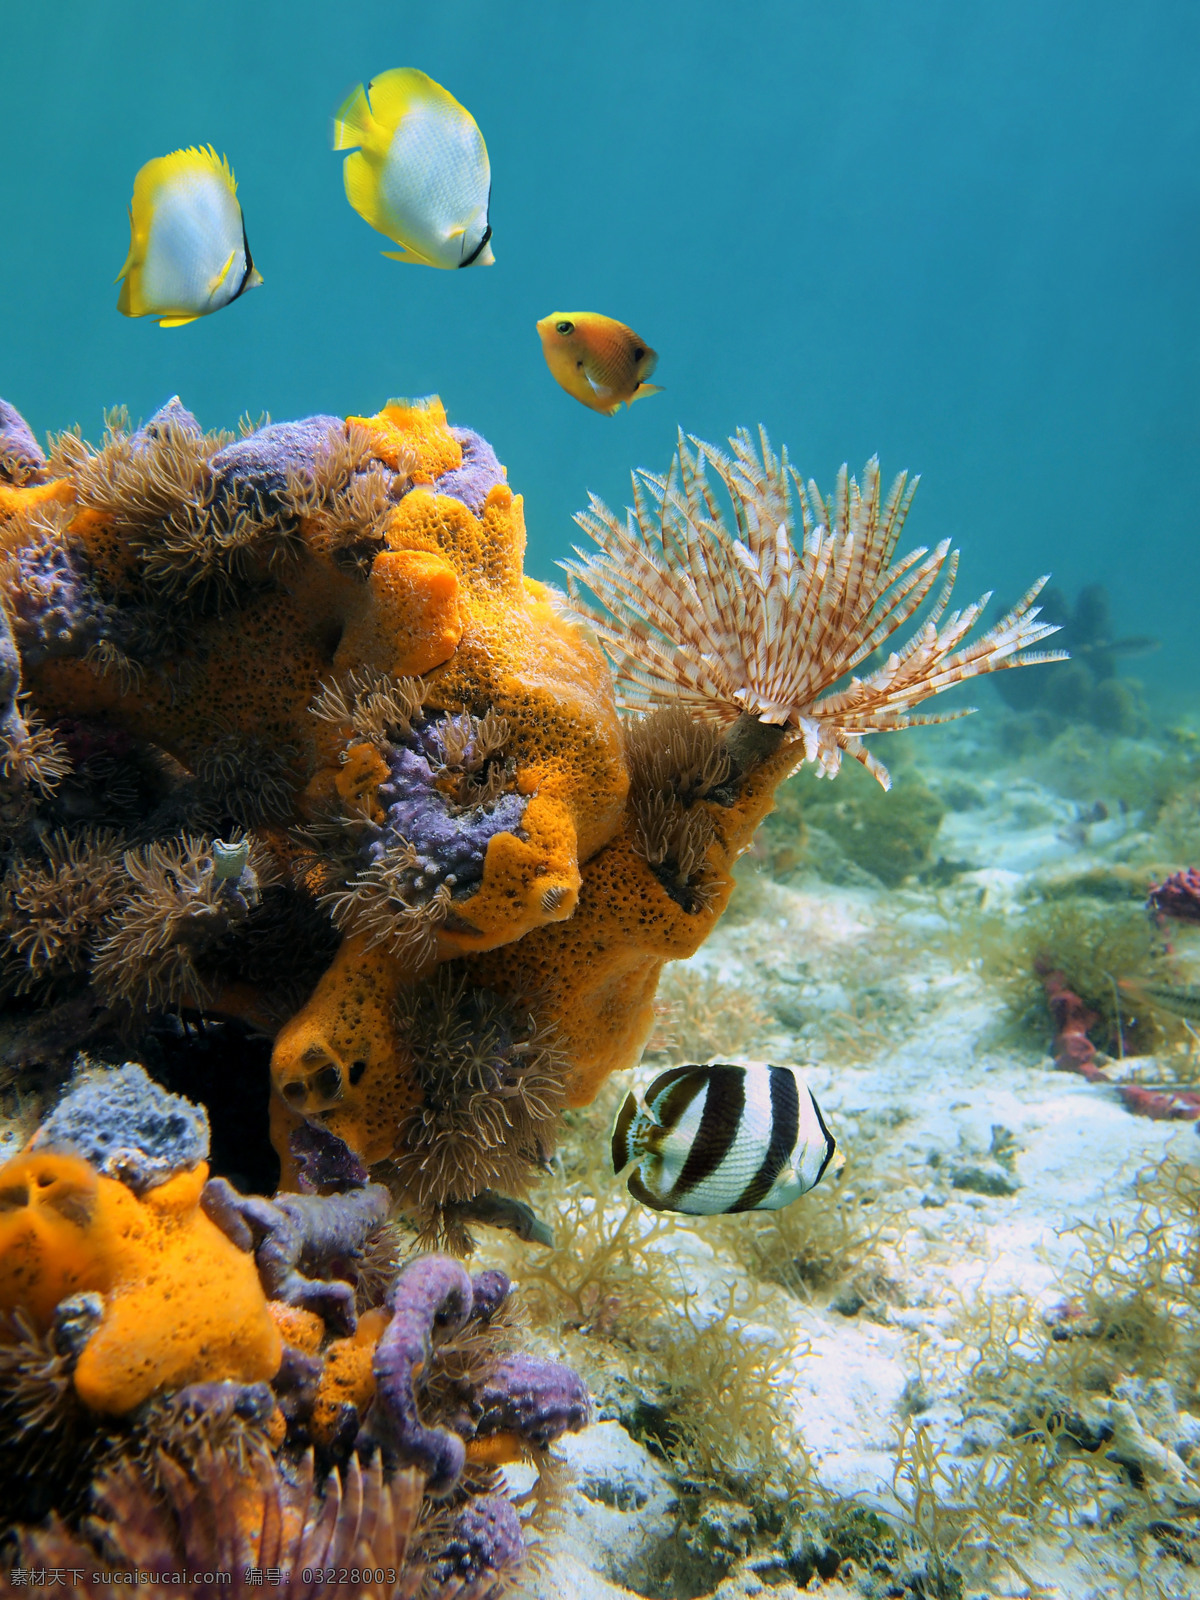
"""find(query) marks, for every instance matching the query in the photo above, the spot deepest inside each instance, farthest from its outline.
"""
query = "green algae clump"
(888, 834)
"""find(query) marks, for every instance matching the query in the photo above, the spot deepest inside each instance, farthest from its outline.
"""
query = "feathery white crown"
(736, 620)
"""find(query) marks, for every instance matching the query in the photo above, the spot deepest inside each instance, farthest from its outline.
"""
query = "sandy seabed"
(995, 1178)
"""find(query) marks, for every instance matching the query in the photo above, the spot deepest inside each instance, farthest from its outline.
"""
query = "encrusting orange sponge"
(181, 1302)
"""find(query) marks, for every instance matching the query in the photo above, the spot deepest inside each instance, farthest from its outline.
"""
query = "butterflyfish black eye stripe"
(785, 1134)
(720, 1122)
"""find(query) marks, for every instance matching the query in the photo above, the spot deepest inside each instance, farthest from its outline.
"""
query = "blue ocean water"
(966, 237)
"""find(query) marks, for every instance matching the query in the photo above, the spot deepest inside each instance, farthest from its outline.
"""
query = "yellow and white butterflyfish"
(419, 171)
(188, 253)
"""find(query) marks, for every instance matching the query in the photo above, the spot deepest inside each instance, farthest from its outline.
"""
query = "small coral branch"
(733, 620)
(1177, 896)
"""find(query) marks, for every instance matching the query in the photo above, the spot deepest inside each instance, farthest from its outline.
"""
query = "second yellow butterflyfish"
(188, 253)
(419, 171)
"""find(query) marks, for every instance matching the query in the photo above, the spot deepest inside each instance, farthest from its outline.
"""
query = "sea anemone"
(733, 621)
(54, 909)
(492, 1086)
(674, 761)
(185, 899)
(344, 496)
(377, 705)
(246, 778)
(48, 1442)
(31, 753)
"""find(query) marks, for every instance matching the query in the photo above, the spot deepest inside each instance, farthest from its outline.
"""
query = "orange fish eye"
(564, 327)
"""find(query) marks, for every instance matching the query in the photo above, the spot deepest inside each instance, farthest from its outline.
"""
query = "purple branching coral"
(296, 1232)
(433, 1291)
(535, 1401)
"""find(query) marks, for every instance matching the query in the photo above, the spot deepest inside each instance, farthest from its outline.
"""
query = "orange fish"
(596, 359)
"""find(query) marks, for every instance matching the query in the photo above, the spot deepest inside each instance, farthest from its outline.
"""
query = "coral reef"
(171, 1407)
(292, 742)
(306, 788)
(522, 1402)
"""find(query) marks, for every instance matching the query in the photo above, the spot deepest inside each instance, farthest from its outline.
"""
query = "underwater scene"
(599, 995)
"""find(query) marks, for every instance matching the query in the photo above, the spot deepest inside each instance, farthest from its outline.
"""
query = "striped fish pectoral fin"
(640, 1192)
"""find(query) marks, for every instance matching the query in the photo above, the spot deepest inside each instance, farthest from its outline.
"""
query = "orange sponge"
(182, 1303)
(349, 1377)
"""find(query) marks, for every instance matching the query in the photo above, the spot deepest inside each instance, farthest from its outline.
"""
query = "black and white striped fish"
(717, 1138)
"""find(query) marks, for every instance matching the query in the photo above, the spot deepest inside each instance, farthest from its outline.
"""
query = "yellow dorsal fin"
(204, 159)
(395, 93)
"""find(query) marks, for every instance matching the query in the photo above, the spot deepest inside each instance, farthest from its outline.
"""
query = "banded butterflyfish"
(723, 1137)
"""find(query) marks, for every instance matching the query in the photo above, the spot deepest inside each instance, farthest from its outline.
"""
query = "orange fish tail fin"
(351, 120)
(643, 389)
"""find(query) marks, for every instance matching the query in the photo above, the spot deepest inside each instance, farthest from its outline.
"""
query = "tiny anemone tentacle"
(733, 621)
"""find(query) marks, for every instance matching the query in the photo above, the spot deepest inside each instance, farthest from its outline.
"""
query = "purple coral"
(260, 463)
(323, 1161)
(173, 414)
(430, 1291)
(57, 610)
(534, 1399)
(486, 1538)
(11, 725)
(449, 841)
(477, 477)
(1177, 896)
(21, 458)
(322, 1232)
